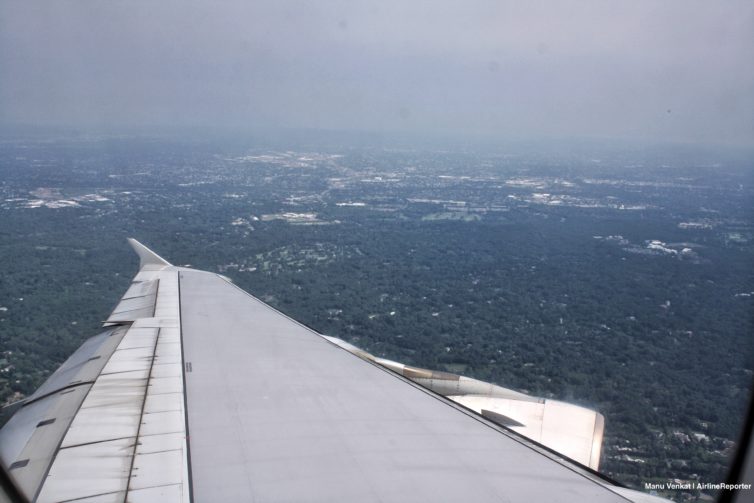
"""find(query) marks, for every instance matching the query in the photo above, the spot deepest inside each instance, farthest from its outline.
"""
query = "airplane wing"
(197, 391)
(573, 431)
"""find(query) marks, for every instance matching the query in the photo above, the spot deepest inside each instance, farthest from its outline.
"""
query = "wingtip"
(146, 256)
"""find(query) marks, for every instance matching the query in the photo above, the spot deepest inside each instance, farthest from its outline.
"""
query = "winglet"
(146, 256)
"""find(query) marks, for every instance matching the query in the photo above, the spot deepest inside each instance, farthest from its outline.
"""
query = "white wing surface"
(198, 391)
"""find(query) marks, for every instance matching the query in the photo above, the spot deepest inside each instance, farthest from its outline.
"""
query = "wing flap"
(29, 441)
(134, 406)
(133, 306)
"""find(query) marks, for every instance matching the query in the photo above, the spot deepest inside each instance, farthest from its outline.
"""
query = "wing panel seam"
(141, 415)
(185, 394)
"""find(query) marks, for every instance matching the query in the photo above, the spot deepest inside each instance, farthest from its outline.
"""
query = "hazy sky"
(677, 70)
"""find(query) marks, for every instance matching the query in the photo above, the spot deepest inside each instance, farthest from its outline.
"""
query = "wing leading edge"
(199, 391)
